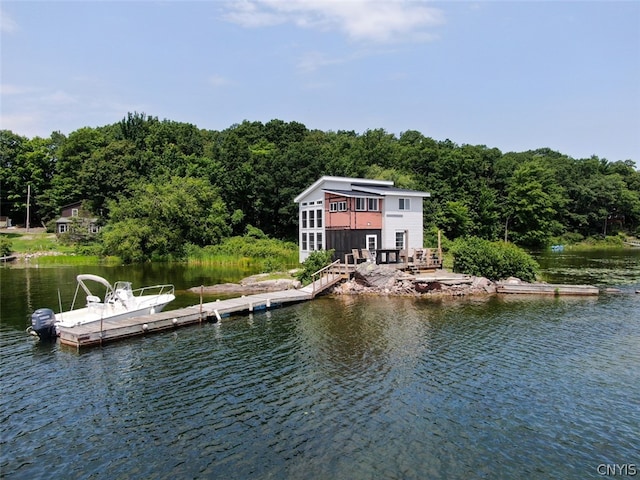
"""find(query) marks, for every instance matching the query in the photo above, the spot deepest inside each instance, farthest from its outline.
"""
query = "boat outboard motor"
(43, 323)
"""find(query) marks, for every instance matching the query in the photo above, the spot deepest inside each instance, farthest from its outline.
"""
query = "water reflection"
(600, 267)
(341, 387)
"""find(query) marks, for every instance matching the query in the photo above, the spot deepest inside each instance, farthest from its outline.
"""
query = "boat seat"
(92, 299)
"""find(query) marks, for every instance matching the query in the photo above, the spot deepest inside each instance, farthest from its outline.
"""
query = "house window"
(304, 219)
(404, 204)
(312, 219)
(400, 240)
(311, 242)
(361, 204)
(319, 240)
(338, 207)
(74, 212)
(93, 228)
(62, 228)
(304, 241)
(319, 218)
(373, 204)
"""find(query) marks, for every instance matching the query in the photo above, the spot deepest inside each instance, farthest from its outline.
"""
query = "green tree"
(533, 202)
(158, 220)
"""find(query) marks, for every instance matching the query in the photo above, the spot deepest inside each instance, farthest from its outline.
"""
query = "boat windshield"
(122, 286)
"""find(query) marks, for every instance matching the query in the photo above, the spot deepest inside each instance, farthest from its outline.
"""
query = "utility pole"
(28, 202)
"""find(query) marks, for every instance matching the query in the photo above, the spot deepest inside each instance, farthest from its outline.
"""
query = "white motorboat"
(119, 302)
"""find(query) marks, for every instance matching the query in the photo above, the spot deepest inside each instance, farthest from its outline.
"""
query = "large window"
(361, 204)
(304, 241)
(404, 204)
(319, 241)
(373, 204)
(319, 218)
(304, 219)
(312, 219)
(400, 240)
(311, 242)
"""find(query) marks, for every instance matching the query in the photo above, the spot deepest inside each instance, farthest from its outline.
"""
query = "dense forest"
(158, 184)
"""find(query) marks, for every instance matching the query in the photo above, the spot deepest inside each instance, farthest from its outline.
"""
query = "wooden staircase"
(327, 277)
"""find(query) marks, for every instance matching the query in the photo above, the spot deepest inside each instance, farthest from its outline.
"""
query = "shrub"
(494, 260)
(314, 262)
(5, 246)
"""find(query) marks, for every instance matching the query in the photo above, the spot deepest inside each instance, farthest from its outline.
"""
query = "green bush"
(314, 262)
(493, 260)
(5, 246)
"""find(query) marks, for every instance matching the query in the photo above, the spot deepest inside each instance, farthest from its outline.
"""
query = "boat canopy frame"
(90, 296)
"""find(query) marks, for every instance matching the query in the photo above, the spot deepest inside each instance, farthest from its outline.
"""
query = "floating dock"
(98, 333)
(546, 289)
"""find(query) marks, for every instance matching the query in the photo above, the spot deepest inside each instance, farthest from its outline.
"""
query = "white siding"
(311, 200)
(394, 220)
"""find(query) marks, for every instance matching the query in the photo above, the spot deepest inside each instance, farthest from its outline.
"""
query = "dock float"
(98, 333)
(546, 289)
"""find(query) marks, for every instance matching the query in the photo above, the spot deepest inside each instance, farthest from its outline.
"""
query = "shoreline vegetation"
(271, 255)
(278, 274)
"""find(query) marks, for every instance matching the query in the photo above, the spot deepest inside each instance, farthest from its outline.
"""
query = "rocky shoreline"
(250, 285)
(382, 280)
(372, 279)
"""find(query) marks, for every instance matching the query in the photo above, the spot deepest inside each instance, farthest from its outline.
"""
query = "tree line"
(158, 184)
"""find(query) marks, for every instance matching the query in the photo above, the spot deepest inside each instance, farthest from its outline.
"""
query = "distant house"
(353, 213)
(75, 214)
(5, 222)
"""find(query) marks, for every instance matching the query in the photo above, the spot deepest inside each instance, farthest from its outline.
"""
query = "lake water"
(340, 387)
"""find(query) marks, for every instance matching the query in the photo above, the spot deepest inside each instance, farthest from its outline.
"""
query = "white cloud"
(59, 98)
(381, 21)
(10, 89)
(312, 61)
(218, 81)
(7, 24)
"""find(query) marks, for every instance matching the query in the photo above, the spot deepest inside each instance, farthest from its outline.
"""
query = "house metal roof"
(350, 193)
(361, 187)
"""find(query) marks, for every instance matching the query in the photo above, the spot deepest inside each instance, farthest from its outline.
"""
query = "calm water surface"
(341, 387)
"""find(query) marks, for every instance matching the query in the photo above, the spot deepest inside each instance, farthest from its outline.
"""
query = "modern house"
(74, 213)
(353, 213)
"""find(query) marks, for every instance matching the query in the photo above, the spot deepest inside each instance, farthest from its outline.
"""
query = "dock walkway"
(98, 333)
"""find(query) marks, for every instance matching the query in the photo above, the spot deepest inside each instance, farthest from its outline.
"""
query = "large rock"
(379, 276)
(250, 285)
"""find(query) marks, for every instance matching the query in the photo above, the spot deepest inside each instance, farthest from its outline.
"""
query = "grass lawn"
(36, 241)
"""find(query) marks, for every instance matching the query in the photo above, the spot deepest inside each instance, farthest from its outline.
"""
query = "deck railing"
(327, 276)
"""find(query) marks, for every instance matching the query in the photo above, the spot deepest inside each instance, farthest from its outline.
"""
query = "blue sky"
(512, 75)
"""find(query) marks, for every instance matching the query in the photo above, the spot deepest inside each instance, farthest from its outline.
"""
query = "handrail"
(320, 274)
(167, 289)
